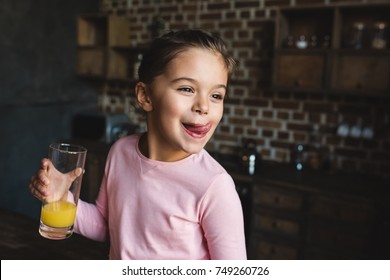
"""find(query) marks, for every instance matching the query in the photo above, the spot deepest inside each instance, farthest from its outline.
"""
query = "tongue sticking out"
(197, 129)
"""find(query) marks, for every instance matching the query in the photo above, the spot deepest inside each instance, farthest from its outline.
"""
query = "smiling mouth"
(197, 130)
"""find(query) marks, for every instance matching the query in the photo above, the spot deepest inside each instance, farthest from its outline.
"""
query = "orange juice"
(58, 214)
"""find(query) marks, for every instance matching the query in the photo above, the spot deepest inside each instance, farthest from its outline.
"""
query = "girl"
(162, 195)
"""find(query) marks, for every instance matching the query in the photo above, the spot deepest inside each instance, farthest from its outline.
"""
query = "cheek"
(217, 114)
(172, 108)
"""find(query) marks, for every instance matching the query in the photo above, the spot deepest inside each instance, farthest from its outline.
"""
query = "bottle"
(313, 42)
(136, 65)
(249, 156)
(358, 35)
(289, 42)
(297, 157)
(301, 43)
(379, 36)
(326, 42)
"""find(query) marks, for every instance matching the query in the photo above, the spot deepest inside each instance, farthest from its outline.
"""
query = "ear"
(142, 97)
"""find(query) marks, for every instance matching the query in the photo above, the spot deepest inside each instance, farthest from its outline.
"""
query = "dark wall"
(39, 92)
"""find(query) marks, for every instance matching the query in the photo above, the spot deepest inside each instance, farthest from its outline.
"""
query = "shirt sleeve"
(91, 219)
(222, 220)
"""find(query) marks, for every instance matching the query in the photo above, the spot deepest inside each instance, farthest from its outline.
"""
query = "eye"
(186, 89)
(217, 96)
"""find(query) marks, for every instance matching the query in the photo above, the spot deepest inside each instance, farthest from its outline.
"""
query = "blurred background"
(306, 129)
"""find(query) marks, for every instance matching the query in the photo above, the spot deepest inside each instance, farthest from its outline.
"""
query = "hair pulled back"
(163, 49)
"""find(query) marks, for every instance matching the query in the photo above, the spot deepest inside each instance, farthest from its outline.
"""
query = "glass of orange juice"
(65, 173)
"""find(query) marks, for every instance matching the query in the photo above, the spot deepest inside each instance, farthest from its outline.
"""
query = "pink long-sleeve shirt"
(188, 209)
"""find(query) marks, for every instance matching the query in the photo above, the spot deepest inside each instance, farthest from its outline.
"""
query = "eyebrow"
(195, 81)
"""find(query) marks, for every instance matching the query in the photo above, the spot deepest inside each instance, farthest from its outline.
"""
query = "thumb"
(75, 173)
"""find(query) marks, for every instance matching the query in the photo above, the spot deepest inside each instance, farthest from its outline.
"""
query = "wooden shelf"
(335, 67)
(104, 49)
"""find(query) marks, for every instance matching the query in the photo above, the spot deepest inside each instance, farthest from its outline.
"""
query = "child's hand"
(48, 184)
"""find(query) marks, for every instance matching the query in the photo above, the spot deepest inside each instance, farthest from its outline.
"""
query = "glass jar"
(301, 43)
(358, 35)
(379, 36)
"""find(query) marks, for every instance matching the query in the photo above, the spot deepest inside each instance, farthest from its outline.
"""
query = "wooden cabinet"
(340, 227)
(314, 214)
(277, 224)
(333, 49)
(302, 222)
(104, 49)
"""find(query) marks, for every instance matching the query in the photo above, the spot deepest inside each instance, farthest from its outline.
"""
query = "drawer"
(338, 238)
(347, 210)
(277, 198)
(273, 224)
(263, 249)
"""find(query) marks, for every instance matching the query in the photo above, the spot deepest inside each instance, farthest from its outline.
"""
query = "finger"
(45, 163)
(42, 177)
(37, 186)
(75, 173)
(36, 193)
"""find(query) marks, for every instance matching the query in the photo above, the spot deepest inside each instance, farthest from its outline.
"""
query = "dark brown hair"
(163, 49)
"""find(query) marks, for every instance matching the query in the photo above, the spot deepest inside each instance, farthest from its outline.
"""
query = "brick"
(300, 127)
(281, 155)
(268, 114)
(285, 104)
(265, 153)
(283, 135)
(218, 6)
(232, 101)
(267, 133)
(276, 3)
(252, 132)
(239, 111)
(298, 116)
(211, 16)
(283, 115)
(311, 2)
(281, 144)
(253, 112)
(238, 130)
(246, 4)
(318, 107)
(231, 24)
(256, 102)
(299, 137)
(314, 117)
(268, 124)
(240, 121)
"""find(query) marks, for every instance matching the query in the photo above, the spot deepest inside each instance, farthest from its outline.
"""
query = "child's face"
(186, 104)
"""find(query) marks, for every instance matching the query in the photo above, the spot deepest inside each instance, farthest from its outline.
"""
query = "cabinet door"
(278, 225)
(361, 72)
(299, 70)
(91, 62)
(263, 248)
(274, 197)
(340, 227)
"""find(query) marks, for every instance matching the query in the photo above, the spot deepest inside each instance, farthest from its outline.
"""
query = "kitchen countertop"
(333, 180)
(20, 240)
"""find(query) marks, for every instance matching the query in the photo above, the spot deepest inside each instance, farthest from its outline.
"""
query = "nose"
(201, 105)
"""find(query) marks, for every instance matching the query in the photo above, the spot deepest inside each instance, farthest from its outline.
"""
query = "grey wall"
(39, 92)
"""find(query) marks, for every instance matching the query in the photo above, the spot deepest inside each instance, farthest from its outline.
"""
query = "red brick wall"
(277, 120)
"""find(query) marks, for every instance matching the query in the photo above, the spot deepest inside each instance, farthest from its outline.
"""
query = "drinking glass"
(65, 173)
